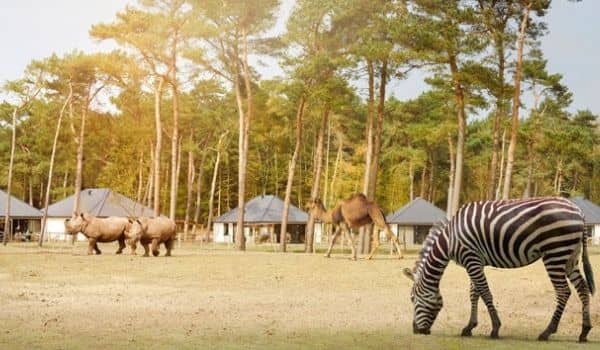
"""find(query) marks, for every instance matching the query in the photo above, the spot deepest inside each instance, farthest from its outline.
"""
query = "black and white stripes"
(504, 234)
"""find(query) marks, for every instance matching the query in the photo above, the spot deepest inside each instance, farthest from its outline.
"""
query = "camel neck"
(325, 215)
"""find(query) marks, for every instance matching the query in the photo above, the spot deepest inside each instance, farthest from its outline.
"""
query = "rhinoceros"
(152, 231)
(96, 230)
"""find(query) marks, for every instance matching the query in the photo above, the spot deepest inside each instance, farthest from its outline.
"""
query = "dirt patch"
(222, 299)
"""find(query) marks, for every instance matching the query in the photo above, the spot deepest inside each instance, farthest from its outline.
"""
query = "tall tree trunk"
(213, 186)
(199, 192)
(290, 179)
(174, 150)
(138, 197)
(500, 181)
(378, 132)
(370, 126)
(7, 222)
(158, 148)
(364, 233)
(326, 188)
(338, 159)
(515, 107)
(411, 178)
(79, 168)
(51, 169)
(244, 126)
(148, 200)
(530, 166)
(189, 193)
(423, 182)
(460, 140)
(499, 43)
(449, 212)
(314, 192)
(65, 180)
(30, 185)
(431, 178)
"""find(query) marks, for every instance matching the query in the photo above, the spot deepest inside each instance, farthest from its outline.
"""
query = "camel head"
(77, 223)
(314, 204)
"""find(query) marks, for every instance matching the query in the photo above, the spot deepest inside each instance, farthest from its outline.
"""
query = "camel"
(353, 212)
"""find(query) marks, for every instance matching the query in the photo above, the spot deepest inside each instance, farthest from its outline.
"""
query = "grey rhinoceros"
(96, 230)
(152, 231)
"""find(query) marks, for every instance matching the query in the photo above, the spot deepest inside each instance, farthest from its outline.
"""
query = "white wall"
(55, 230)
(596, 234)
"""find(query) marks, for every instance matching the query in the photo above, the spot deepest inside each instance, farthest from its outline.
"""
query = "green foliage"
(323, 54)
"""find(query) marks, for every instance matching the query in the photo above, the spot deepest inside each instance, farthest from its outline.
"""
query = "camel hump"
(358, 196)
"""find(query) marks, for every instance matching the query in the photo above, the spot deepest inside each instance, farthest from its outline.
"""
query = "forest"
(179, 117)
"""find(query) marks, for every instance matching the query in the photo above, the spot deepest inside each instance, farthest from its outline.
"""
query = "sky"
(34, 29)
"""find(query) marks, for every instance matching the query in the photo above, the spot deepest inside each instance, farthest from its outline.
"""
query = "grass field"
(212, 297)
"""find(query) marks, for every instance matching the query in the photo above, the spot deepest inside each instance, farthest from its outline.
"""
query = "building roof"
(100, 202)
(591, 211)
(417, 212)
(18, 208)
(263, 210)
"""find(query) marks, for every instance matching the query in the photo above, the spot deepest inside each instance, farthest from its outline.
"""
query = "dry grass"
(59, 298)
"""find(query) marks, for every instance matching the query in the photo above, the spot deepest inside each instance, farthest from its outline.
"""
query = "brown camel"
(354, 212)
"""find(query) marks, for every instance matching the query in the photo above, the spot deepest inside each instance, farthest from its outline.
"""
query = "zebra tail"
(587, 267)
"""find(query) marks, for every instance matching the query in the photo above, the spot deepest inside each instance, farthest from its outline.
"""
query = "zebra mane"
(432, 236)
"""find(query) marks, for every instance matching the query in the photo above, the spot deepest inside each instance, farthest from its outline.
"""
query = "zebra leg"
(475, 271)
(466, 332)
(556, 272)
(584, 295)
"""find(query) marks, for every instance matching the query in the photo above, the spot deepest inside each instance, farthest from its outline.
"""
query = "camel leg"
(375, 243)
(121, 245)
(394, 240)
(335, 234)
(349, 235)
(146, 248)
(155, 250)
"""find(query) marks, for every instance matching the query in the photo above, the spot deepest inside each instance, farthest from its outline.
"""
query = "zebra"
(504, 234)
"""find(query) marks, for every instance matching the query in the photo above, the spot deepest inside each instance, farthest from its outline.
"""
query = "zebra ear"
(409, 274)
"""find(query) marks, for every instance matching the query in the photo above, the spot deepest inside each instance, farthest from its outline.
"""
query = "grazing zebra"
(504, 234)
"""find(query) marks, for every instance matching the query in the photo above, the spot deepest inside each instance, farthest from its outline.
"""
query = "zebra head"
(427, 305)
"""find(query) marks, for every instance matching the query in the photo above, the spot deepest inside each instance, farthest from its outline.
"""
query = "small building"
(591, 214)
(262, 222)
(412, 222)
(24, 219)
(100, 202)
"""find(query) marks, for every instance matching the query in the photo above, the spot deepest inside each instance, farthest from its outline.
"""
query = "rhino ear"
(409, 274)
(138, 221)
(130, 221)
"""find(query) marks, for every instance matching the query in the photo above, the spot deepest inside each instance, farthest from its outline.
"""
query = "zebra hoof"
(543, 337)
(466, 332)
(584, 332)
(494, 335)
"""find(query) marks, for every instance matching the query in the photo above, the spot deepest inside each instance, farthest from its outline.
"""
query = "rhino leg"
(133, 246)
(155, 250)
(146, 248)
(169, 245)
(93, 246)
(121, 245)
